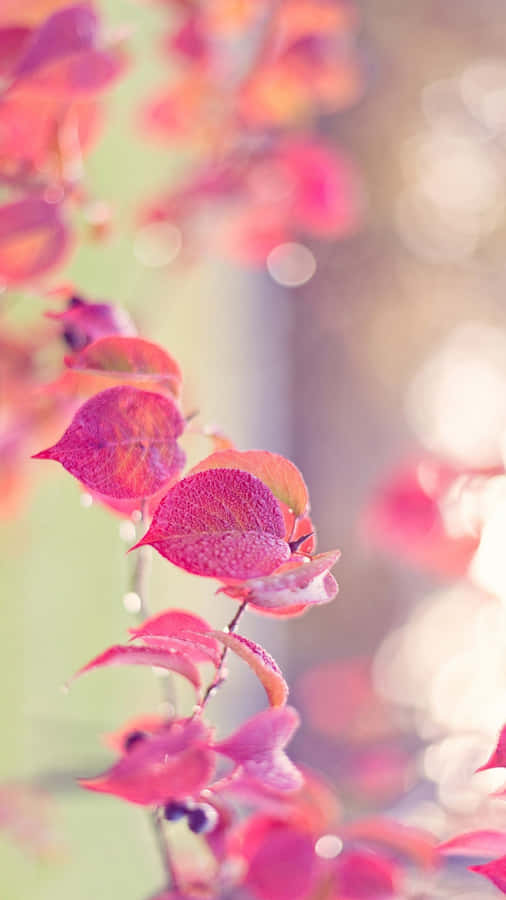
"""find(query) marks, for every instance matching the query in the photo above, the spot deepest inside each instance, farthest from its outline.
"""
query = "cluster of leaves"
(433, 514)
(261, 173)
(54, 67)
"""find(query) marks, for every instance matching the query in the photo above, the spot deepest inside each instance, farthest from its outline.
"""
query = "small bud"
(202, 819)
(174, 811)
(133, 738)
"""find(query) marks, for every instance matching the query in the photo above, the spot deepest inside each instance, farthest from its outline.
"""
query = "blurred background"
(392, 352)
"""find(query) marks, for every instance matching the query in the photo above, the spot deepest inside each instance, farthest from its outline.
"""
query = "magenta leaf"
(284, 865)
(361, 875)
(182, 631)
(495, 871)
(67, 31)
(84, 322)
(280, 475)
(121, 655)
(175, 762)
(122, 443)
(475, 843)
(258, 748)
(221, 523)
(263, 665)
(498, 758)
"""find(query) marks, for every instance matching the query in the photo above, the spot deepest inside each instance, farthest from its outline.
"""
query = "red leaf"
(175, 762)
(221, 523)
(127, 360)
(495, 871)
(120, 655)
(280, 475)
(257, 747)
(33, 239)
(498, 758)
(122, 443)
(263, 665)
(175, 628)
(12, 43)
(475, 843)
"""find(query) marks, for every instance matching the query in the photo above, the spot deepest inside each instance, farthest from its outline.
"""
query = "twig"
(218, 678)
(163, 847)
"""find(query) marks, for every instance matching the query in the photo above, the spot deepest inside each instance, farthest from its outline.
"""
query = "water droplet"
(157, 244)
(132, 602)
(328, 846)
(291, 264)
(136, 516)
(86, 500)
(127, 531)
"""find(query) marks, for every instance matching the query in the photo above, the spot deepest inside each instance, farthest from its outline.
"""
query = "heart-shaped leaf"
(263, 665)
(279, 474)
(221, 523)
(122, 443)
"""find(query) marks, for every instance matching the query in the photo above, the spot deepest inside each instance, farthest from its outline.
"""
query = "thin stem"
(163, 847)
(219, 678)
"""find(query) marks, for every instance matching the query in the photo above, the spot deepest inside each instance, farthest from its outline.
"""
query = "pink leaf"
(221, 523)
(498, 758)
(284, 865)
(129, 360)
(263, 665)
(418, 845)
(475, 843)
(67, 31)
(257, 747)
(120, 655)
(175, 628)
(122, 443)
(495, 871)
(298, 583)
(84, 322)
(175, 762)
(33, 238)
(280, 475)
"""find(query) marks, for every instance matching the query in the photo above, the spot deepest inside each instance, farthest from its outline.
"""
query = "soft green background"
(64, 567)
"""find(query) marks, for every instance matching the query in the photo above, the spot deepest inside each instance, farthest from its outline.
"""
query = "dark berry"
(133, 738)
(174, 811)
(202, 819)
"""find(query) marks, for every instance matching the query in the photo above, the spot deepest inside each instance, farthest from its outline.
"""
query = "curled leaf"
(122, 443)
(121, 655)
(263, 665)
(280, 475)
(298, 583)
(257, 747)
(221, 523)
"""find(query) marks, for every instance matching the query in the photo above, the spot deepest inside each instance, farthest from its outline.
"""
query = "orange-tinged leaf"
(29, 12)
(33, 239)
(121, 655)
(122, 443)
(263, 665)
(280, 475)
(125, 360)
